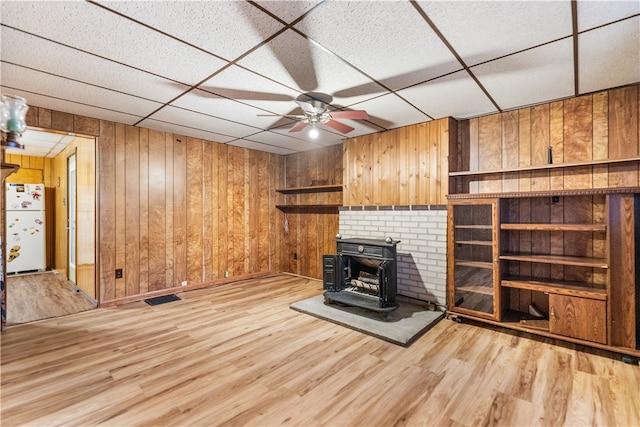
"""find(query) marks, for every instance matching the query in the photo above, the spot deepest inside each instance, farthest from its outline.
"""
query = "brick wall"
(422, 252)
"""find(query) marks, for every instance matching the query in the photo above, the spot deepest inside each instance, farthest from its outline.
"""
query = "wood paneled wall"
(404, 166)
(310, 232)
(595, 127)
(174, 209)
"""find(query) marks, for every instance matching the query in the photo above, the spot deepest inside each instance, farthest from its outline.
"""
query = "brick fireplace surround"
(422, 253)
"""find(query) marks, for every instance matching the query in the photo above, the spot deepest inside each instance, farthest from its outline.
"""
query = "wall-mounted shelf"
(310, 189)
(545, 193)
(557, 259)
(8, 169)
(544, 167)
(308, 207)
(554, 227)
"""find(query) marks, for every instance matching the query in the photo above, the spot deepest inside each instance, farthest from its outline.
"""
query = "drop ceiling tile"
(298, 141)
(484, 30)
(537, 75)
(52, 86)
(441, 97)
(71, 107)
(302, 65)
(224, 28)
(186, 130)
(288, 10)
(594, 13)
(252, 145)
(609, 56)
(389, 41)
(238, 83)
(223, 108)
(203, 122)
(91, 28)
(32, 52)
(390, 112)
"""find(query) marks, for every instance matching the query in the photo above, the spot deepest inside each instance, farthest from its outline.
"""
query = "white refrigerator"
(25, 228)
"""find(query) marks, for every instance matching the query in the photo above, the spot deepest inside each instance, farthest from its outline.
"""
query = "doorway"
(71, 217)
(66, 163)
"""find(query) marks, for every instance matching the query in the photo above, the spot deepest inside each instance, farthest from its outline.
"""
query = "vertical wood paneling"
(433, 135)
(595, 127)
(194, 211)
(578, 140)
(556, 141)
(169, 141)
(144, 211)
(132, 211)
(208, 269)
(222, 175)
(489, 151)
(600, 138)
(524, 147)
(120, 209)
(539, 145)
(404, 166)
(180, 211)
(107, 211)
(157, 211)
(510, 149)
(623, 135)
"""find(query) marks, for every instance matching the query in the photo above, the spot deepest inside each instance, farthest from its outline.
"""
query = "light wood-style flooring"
(237, 355)
(40, 296)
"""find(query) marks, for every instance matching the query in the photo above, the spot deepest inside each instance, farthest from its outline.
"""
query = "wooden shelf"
(484, 290)
(474, 227)
(554, 227)
(476, 264)
(544, 167)
(475, 242)
(544, 193)
(311, 189)
(559, 287)
(316, 206)
(557, 259)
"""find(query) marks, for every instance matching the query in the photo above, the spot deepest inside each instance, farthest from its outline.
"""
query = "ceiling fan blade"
(306, 106)
(355, 114)
(298, 127)
(293, 116)
(340, 127)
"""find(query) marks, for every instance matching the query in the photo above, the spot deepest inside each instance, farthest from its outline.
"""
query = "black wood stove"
(363, 273)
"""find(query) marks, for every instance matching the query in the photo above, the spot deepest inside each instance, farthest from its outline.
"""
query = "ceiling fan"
(315, 109)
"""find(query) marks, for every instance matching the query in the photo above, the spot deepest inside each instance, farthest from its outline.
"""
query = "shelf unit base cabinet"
(567, 267)
(577, 317)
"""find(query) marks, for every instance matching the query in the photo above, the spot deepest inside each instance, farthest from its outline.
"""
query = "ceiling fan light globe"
(314, 133)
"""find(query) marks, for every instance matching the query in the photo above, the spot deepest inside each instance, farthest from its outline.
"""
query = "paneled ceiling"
(212, 69)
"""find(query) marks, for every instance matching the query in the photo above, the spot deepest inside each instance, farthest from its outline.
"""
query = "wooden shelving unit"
(557, 267)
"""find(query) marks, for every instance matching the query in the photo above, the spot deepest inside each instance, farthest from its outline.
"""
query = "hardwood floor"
(40, 296)
(237, 355)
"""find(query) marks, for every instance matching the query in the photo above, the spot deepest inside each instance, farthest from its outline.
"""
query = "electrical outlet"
(295, 255)
(118, 273)
(226, 273)
(184, 283)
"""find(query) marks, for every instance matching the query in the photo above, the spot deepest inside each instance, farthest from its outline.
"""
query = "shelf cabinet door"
(578, 317)
(472, 258)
